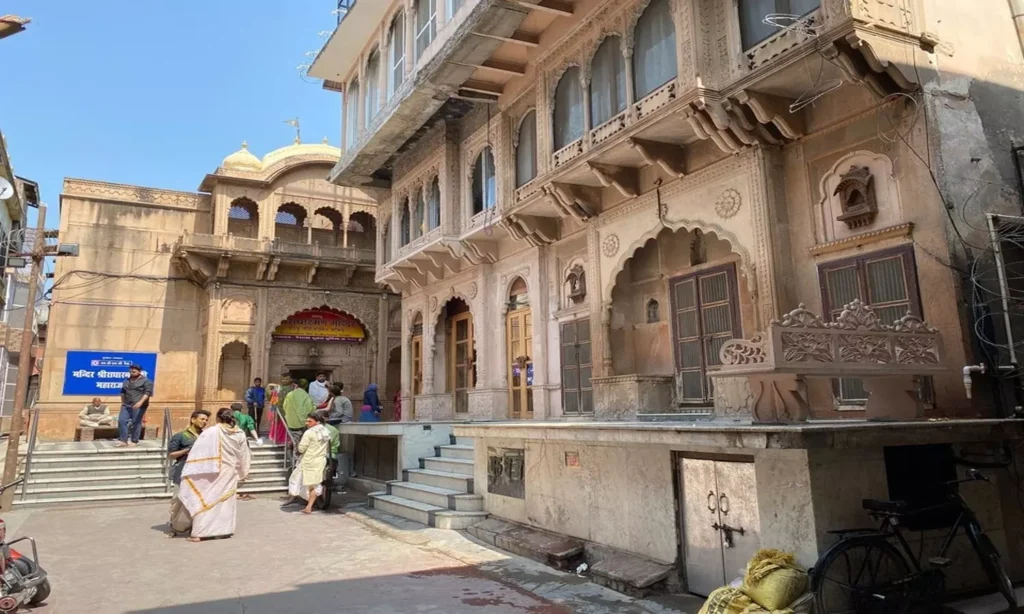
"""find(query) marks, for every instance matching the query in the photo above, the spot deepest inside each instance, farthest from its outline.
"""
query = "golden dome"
(242, 160)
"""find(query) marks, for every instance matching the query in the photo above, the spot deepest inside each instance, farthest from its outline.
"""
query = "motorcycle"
(22, 580)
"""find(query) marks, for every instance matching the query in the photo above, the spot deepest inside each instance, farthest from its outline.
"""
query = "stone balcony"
(464, 42)
(207, 257)
(436, 253)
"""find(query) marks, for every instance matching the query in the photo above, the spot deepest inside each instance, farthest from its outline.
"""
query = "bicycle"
(865, 572)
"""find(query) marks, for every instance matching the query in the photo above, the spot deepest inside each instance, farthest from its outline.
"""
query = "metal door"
(703, 545)
(739, 523)
(721, 527)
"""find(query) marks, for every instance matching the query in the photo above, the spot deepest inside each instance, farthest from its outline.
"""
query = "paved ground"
(116, 560)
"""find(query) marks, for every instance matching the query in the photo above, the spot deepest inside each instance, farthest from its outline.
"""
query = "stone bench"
(88, 433)
(889, 358)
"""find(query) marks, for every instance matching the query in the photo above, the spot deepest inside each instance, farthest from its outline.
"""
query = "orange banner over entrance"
(321, 325)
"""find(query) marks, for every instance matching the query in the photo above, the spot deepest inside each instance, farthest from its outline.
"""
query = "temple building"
(650, 250)
(267, 269)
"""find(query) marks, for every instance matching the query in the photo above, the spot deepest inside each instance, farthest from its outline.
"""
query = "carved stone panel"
(858, 193)
(506, 472)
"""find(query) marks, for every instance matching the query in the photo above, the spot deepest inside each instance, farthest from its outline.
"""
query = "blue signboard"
(101, 373)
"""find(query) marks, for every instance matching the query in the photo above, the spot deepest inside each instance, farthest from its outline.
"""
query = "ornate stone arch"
(226, 339)
(748, 268)
(291, 163)
(517, 125)
(556, 78)
(606, 31)
(633, 16)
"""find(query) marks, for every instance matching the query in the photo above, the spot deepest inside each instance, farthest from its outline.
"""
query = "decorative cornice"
(119, 192)
(901, 231)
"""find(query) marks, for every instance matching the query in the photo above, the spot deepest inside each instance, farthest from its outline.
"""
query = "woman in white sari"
(219, 459)
(306, 481)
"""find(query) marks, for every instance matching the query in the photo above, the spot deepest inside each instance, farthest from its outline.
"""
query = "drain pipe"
(968, 382)
(1017, 10)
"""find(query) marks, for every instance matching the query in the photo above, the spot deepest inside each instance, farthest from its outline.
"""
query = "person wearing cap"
(135, 394)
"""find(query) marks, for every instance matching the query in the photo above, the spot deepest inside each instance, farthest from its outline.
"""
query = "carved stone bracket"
(623, 179)
(889, 357)
(666, 155)
(536, 231)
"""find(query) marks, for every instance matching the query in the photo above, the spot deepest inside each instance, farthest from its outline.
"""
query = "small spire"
(298, 141)
(325, 141)
(245, 145)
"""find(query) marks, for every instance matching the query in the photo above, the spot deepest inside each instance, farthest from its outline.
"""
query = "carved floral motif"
(801, 317)
(743, 351)
(728, 203)
(610, 245)
(807, 347)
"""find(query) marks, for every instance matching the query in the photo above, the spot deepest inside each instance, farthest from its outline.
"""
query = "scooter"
(22, 580)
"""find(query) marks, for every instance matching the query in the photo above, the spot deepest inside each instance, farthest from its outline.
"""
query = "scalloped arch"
(591, 51)
(747, 266)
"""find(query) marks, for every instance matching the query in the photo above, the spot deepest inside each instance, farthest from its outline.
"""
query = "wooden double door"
(519, 347)
(461, 366)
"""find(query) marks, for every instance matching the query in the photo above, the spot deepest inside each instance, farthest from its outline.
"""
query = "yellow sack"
(726, 600)
(773, 579)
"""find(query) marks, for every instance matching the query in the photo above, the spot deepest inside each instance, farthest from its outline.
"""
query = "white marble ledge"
(388, 428)
(813, 434)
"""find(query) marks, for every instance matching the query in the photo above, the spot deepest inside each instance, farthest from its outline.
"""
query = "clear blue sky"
(157, 92)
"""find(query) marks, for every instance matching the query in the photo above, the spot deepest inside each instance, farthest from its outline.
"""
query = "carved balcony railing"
(233, 243)
(889, 358)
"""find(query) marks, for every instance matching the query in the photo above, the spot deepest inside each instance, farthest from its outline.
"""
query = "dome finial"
(325, 141)
(245, 145)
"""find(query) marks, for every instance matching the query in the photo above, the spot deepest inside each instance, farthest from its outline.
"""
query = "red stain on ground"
(544, 606)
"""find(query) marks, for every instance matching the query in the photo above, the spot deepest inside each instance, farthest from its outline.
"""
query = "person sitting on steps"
(95, 415)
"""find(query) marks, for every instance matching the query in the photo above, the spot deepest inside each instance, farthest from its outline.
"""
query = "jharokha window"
(705, 309)
(752, 13)
(885, 280)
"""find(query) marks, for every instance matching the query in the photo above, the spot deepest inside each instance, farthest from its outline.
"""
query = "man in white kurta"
(219, 459)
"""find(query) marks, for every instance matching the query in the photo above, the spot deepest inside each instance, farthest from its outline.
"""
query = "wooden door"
(417, 373)
(460, 360)
(577, 367)
(519, 344)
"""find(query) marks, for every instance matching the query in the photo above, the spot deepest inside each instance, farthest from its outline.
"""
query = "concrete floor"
(116, 560)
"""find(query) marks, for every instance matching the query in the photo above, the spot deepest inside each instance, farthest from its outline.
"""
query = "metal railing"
(344, 8)
(165, 446)
(27, 470)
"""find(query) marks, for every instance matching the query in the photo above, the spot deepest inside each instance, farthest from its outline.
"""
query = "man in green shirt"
(245, 422)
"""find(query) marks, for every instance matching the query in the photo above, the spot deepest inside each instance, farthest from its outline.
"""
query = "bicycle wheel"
(854, 572)
(990, 560)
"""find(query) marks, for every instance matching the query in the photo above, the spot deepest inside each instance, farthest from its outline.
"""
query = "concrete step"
(558, 551)
(78, 500)
(454, 451)
(441, 479)
(440, 497)
(99, 469)
(464, 441)
(79, 460)
(73, 490)
(430, 515)
(451, 465)
(258, 484)
(92, 481)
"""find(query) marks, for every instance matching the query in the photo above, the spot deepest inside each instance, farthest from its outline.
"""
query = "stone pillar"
(587, 119)
(606, 339)
(429, 351)
(627, 53)
(410, 36)
(382, 345)
(344, 224)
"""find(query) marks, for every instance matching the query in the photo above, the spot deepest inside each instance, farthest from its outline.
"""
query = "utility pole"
(24, 363)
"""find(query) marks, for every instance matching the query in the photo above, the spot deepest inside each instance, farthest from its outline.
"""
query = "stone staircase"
(439, 493)
(97, 472)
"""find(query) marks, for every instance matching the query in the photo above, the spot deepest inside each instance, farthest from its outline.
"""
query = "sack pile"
(773, 584)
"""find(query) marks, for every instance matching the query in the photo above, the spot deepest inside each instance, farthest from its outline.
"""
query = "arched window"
(417, 215)
(243, 218)
(352, 114)
(484, 186)
(290, 222)
(653, 311)
(405, 222)
(607, 81)
(426, 25)
(434, 205)
(568, 108)
(526, 151)
(396, 53)
(654, 54)
(372, 83)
